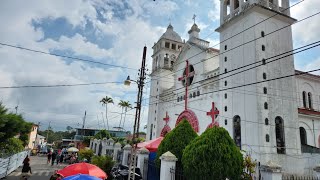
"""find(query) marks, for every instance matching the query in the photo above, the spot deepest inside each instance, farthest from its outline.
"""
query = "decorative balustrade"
(236, 12)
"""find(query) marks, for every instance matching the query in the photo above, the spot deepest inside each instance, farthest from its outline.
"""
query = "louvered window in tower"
(304, 99)
(310, 100)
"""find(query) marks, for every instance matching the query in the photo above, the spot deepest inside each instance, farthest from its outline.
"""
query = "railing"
(11, 163)
(236, 12)
(151, 170)
(177, 174)
(309, 149)
(295, 177)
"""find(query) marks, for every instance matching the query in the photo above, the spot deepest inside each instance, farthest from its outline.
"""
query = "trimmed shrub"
(213, 155)
(86, 154)
(104, 162)
(176, 141)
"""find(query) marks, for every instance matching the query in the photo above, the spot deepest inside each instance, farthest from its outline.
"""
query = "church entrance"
(191, 117)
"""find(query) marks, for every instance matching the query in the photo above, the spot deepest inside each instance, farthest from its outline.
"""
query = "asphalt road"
(40, 169)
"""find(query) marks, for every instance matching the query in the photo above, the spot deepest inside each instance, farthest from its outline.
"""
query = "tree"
(213, 155)
(102, 134)
(12, 125)
(86, 154)
(105, 101)
(103, 162)
(69, 128)
(176, 141)
(10, 146)
(124, 106)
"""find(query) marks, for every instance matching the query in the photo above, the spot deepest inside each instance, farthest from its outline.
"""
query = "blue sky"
(108, 31)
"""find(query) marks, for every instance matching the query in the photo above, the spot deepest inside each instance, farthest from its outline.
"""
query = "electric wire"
(296, 22)
(65, 56)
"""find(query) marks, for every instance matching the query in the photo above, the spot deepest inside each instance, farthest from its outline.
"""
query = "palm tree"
(126, 105)
(121, 104)
(105, 101)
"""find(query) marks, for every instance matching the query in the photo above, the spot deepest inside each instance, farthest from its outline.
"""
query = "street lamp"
(127, 82)
(135, 136)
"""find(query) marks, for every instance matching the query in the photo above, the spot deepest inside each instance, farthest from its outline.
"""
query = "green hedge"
(176, 141)
(213, 155)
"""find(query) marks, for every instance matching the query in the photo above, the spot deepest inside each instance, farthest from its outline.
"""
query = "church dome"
(194, 28)
(171, 34)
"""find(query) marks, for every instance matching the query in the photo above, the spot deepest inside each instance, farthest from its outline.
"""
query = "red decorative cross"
(166, 119)
(185, 77)
(213, 112)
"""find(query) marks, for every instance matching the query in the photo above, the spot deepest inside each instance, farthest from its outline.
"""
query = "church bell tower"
(261, 115)
(165, 52)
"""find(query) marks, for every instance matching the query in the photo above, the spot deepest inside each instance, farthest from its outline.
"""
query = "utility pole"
(140, 82)
(84, 121)
(16, 109)
(48, 131)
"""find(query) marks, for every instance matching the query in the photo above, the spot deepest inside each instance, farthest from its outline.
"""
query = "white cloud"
(79, 45)
(308, 30)
(214, 14)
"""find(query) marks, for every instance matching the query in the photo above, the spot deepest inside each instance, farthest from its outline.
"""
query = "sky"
(107, 31)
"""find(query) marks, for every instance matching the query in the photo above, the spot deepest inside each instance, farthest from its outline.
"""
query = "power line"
(263, 62)
(64, 56)
(303, 19)
(254, 83)
(57, 85)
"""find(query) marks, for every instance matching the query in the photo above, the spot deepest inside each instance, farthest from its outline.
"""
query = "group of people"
(60, 156)
(55, 156)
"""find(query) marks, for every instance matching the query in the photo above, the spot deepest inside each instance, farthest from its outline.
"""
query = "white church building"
(271, 117)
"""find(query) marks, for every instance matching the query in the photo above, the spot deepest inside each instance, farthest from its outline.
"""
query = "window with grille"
(280, 139)
(237, 130)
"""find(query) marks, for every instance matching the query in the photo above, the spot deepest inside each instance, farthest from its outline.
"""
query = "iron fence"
(11, 163)
(295, 177)
(150, 171)
(177, 174)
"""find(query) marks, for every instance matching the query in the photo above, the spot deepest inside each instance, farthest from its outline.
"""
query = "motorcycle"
(121, 172)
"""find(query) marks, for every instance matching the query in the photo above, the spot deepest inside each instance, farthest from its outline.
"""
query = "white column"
(222, 11)
(271, 171)
(231, 8)
(168, 161)
(285, 5)
(240, 5)
(104, 146)
(116, 149)
(91, 144)
(98, 146)
(143, 154)
(126, 151)
(317, 171)
(276, 3)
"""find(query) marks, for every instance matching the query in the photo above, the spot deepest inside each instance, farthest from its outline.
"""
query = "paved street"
(40, 169)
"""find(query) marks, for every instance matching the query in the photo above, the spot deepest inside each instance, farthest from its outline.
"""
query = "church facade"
(246, 87)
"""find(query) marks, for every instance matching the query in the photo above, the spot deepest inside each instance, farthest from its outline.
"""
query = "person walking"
(49, 155)
(53, 158)
(25, 171)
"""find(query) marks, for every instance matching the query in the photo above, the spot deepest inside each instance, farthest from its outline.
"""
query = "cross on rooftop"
(213, 112)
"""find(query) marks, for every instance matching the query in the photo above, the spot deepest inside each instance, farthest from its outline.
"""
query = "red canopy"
(82, 168)
(151, 145)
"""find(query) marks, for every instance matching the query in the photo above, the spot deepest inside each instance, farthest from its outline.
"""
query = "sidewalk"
(40, 169)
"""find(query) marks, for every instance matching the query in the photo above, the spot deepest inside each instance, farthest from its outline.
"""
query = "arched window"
(237, 130)
(303, 136)
(280, 140)
(265, 105)
(304, 99)
(310, 100)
